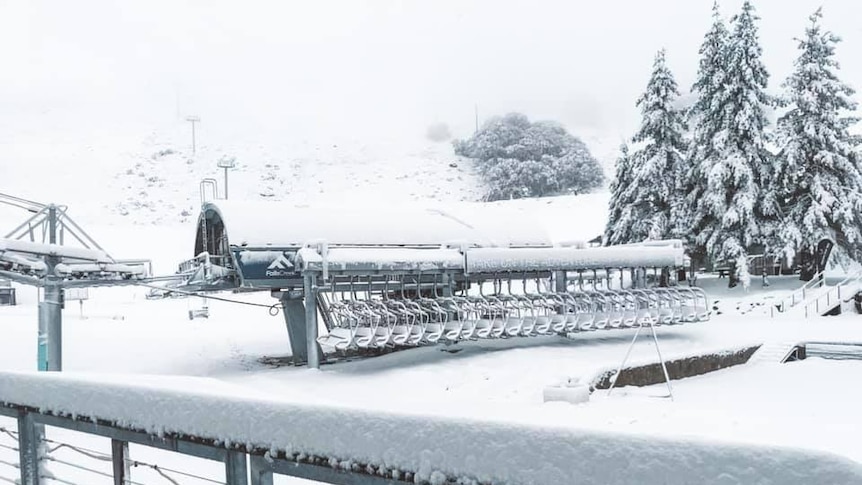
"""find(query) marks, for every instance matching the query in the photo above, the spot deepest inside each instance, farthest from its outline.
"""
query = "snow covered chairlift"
(432, 277)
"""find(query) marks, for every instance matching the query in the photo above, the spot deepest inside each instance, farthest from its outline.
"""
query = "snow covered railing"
(827, 300)
(215, 420)
(66, 270)
(66, 252)
(800, 294)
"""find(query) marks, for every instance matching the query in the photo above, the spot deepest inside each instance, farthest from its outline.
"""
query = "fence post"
(236, 470)
(261, 472)
(28, 449)
(120, 459)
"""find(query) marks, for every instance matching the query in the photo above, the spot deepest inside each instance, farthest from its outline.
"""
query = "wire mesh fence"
(69, 463)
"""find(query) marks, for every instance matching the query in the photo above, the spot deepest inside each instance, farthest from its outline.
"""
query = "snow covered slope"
(315, 107)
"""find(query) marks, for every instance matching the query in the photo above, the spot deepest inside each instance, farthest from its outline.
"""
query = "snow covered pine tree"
(736, 209)
(619, 206)
(658, 163)
(818, 175)
(704, 119)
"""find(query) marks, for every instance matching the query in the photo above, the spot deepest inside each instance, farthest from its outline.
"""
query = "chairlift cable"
(273, 309)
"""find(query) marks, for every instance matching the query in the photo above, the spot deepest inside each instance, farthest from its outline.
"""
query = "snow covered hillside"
(340, 107)
(162, 185)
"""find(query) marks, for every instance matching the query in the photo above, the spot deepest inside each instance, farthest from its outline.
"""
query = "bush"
(519, 159)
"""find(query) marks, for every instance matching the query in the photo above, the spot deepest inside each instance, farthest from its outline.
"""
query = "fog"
(257, 70)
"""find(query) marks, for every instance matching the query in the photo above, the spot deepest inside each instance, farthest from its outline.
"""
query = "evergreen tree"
(704, 117)
(736, 209)
(619, 206)
(658, 162)
(818, 176)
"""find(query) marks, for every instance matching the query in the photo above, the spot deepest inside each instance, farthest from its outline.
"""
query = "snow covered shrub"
(438, 132)
(517, 158)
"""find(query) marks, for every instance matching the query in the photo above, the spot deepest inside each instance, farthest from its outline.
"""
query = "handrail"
(208, 182)
(836, 290)
(818, 280)
(267, 436)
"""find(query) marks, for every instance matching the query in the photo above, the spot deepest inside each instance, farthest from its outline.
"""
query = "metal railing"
(800, 294)
(242, 466)
(828, 300)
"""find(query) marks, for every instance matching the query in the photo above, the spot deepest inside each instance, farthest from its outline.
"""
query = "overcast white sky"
(94, 67)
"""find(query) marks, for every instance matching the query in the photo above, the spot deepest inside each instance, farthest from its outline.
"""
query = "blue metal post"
(28, 449)
(261, 472)
(236, 470)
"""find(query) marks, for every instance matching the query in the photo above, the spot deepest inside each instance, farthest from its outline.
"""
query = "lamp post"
(226, 163)
(193, 120)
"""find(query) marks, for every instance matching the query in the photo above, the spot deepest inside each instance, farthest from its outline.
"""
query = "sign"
(76, 294)
(824, 250)
(79, 294)
(226, 162)
(266, 268)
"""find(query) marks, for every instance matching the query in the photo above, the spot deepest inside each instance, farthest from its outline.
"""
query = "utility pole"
(193, 120)
(476, 112)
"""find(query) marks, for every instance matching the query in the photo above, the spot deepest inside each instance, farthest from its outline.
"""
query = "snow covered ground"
(805, 405)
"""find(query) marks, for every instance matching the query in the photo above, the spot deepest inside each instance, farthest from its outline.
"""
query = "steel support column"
(51, 327)
(311, 321)
(294, 317)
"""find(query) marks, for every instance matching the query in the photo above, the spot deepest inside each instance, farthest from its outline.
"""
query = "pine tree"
(619, 206)
(658, 162)
(736, 209)
(818, 176)
(705, 119)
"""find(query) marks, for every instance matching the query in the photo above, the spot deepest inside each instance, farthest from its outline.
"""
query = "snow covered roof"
(276, 224)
